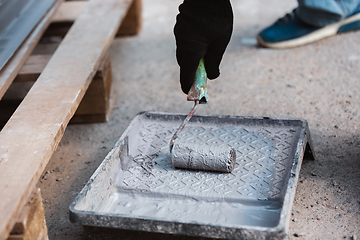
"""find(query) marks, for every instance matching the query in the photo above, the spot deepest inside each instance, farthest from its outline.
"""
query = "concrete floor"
(317, 82)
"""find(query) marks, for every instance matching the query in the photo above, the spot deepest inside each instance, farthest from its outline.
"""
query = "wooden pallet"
(66, 15)
(31, 223)
(96, 103)
(32, 134)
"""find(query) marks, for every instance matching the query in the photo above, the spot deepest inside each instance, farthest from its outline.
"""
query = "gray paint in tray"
(137, 187)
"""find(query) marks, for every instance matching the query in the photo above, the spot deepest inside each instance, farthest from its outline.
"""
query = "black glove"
(203, 30)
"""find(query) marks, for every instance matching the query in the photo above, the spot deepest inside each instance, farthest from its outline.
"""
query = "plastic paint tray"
(136, 187)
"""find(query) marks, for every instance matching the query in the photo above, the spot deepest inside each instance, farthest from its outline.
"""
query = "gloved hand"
(203, 30)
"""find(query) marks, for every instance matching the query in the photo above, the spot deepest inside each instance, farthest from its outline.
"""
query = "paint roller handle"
(198, 91)
(181, 127)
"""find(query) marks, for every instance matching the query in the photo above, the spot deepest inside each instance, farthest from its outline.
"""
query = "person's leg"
(312, 20)
(320, 13)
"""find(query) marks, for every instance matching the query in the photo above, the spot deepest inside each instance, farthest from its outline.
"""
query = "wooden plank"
(97, 97)
(133, 20)
(95, 105)
(31, 224)
(68, 11)
(32, 68)
(32, 134)
(64, 17)
(35, 64)
(11, 69)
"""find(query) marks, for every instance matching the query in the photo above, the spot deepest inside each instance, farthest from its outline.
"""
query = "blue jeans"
(320, 13)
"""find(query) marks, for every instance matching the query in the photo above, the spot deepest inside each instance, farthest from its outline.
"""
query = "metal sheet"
(136, 187)
(17, 20)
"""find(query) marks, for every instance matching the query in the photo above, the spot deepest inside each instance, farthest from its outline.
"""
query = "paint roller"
(199, 156)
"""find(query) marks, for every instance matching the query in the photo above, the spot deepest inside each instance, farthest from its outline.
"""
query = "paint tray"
(137, 188)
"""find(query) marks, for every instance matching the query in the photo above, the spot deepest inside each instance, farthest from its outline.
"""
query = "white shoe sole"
(327, 31)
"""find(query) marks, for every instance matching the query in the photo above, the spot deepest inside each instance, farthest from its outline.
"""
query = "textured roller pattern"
(218, 158)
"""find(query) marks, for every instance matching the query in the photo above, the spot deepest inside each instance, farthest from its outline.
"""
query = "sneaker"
(289, 31)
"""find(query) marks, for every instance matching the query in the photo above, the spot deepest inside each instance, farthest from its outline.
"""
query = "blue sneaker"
(289, 31)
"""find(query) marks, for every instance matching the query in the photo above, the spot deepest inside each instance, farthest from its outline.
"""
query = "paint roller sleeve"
(219, 158)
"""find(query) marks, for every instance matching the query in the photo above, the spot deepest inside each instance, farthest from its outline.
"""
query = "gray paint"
(147, 193)
(201, 156)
